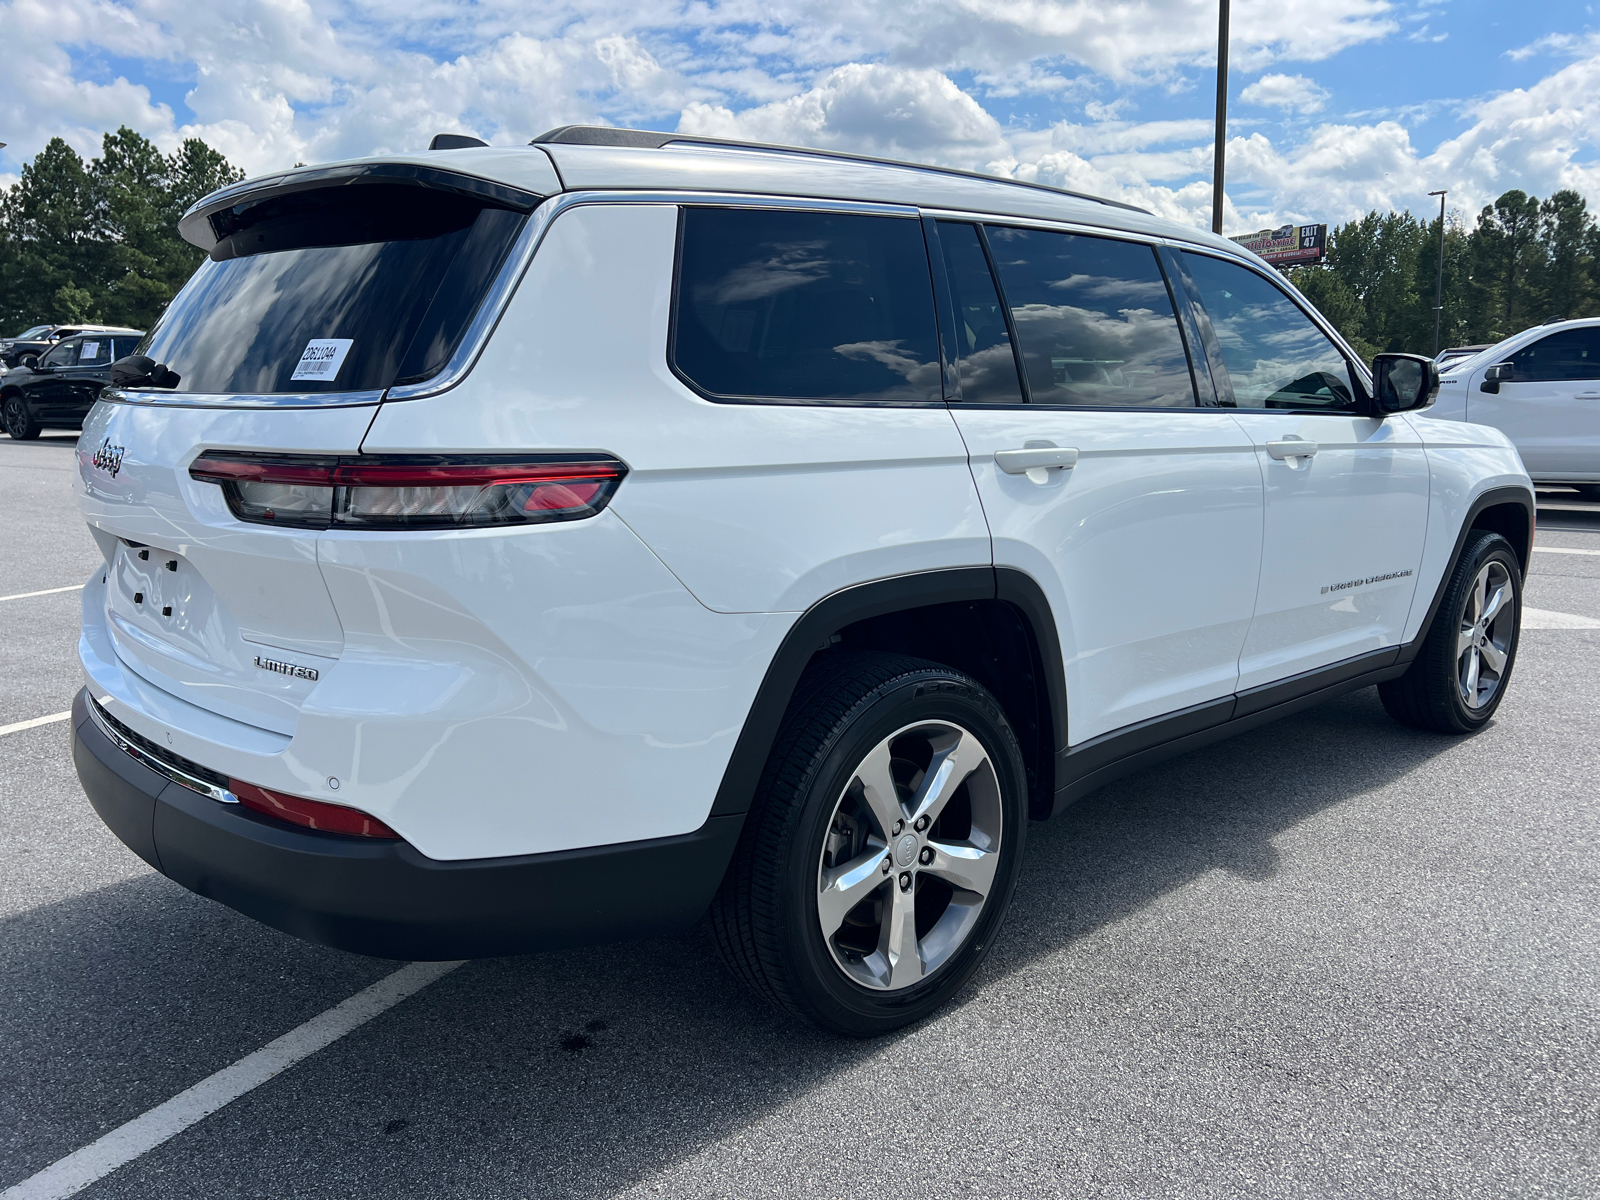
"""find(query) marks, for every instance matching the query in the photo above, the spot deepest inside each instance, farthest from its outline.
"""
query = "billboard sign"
(1288, 245)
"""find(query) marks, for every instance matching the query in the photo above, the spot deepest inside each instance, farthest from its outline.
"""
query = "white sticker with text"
(88, 351)
(322, 358)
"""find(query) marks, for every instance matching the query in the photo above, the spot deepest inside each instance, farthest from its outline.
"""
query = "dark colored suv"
(32, 343)
(58, 390)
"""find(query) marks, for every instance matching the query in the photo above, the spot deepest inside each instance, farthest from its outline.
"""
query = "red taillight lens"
(409, 492)
(312, 814)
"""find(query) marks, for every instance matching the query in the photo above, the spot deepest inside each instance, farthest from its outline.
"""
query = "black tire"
(766, 917)
(1430, 695)
(18, 420)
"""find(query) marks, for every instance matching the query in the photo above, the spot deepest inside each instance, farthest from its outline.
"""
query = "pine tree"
(1507, 265)
(1566, 232)
(99, 241)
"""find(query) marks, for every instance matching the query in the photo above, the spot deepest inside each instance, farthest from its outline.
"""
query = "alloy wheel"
(1483, 643)
(910, 856)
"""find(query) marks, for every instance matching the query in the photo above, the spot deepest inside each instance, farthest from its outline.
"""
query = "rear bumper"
(384, 898)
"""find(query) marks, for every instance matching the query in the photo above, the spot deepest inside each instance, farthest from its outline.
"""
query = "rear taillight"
(409, 491)
(312, 814)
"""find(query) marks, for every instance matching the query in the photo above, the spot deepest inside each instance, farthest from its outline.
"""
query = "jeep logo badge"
(108, 458)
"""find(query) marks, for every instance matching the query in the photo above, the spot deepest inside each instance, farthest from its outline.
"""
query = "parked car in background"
(1448, 358)
(31, 343)
(1541, 388)
(59, 388)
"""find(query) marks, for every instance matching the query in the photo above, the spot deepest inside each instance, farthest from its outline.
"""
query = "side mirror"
(1495, 376)
(31, 361)
(1402, 382)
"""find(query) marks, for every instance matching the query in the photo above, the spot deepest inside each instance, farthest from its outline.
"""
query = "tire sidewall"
(935, 695)
(1487, 549)
(16, 418)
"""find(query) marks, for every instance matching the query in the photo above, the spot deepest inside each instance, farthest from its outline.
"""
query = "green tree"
(1376, 258)
(48, 241)
(1455, 326)
(1567, 235)
(1507, 267)
(100, 241)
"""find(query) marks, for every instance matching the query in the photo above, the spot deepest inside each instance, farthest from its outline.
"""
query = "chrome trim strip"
(527, 244)
(165, 769)
(160, 398)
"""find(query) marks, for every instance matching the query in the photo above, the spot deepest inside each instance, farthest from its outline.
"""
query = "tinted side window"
(62, 355)
(775, 305)
(1094, 320)
(987, 365)
(1272, 353)
(1570, 354)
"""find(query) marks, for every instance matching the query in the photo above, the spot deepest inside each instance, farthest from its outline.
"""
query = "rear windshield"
(333, 290)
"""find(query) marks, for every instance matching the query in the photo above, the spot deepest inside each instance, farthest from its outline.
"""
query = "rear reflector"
(409, 491)
(311, 814)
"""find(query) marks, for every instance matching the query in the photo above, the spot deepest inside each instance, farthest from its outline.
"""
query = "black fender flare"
(817, 625)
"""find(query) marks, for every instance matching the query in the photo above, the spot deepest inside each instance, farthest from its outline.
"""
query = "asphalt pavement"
(1334, 957)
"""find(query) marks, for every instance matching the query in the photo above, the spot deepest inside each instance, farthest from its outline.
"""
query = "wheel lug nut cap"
(905, 881)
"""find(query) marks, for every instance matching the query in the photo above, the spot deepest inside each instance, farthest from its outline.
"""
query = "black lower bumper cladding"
(383, 897)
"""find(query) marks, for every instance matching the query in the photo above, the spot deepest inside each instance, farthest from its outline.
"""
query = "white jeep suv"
(519, 547)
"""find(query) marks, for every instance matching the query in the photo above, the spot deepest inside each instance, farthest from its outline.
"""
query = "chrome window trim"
(165, 769)
(160, 398)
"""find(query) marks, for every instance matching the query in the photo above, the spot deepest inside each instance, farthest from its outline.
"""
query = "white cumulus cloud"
(1293, 92)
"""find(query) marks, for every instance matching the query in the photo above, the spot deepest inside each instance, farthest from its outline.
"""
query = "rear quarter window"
(775, 305)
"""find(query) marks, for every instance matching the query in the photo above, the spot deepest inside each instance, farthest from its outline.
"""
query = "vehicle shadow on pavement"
(587, 1072)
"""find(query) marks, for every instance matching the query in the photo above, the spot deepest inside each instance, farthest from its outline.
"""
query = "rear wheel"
(18, 420)
(881, 850)
(1459, 678)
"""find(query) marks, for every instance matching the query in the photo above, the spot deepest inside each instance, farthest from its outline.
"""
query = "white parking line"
(1563, 550)
(19, 726)
(77, 587)
(1544, 618)
(144, 1133)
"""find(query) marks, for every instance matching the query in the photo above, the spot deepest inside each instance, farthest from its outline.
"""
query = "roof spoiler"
(198, 228)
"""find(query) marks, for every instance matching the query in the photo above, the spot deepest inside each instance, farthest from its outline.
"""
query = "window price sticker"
(322, 358)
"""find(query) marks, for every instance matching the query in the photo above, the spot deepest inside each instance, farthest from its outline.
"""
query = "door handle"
(1291, 447)
(1040, 458)
(1587, 396)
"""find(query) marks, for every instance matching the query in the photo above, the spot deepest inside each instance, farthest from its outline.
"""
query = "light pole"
(1438, 287)
(1222, 117)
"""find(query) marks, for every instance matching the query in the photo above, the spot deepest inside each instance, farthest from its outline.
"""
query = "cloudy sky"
(1337, 106)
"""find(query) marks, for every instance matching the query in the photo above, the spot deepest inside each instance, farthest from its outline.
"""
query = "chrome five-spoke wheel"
(882, 846)
(910, 855)
(1459, 673)
(1488, 625)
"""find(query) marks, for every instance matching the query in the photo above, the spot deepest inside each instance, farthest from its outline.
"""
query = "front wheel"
(18, 420)
(1459, 677)
(881, 850)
